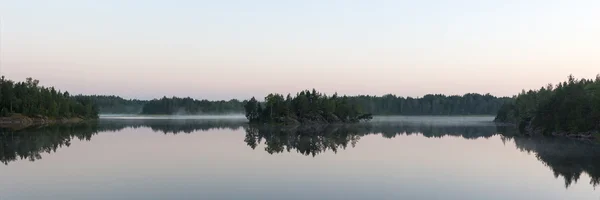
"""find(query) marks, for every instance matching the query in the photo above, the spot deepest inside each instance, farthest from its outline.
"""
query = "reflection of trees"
(307, 140)
(30, 143)
(173, 126)
(391, 129)
(565, 157)
(315, 139)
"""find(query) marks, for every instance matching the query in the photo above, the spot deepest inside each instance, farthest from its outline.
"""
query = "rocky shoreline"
(22, 121)
(532, 131)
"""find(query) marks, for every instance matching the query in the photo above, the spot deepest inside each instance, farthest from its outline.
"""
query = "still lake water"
(224, 158)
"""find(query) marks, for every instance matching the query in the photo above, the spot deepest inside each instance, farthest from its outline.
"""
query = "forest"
(571, 107)
(468, 104)
(306, 107)
(110, 104)
(189, 106)
(431, 104)
(30, 99)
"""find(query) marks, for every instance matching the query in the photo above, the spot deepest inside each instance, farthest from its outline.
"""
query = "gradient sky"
(237, 49)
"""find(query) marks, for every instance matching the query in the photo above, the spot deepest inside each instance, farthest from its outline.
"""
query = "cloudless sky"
(238, 48)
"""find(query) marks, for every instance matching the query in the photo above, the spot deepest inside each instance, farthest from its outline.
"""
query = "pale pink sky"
(238, 49)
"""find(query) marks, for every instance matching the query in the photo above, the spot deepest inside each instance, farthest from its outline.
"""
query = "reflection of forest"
(567, 158)
(173, 126)
(312, 140)
(31, 142)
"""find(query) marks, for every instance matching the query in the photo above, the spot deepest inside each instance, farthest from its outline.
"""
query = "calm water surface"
(128, 157)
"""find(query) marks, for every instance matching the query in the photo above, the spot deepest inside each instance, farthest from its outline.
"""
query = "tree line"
(31, 99)
(110, 104)
(570, 107)
(189, 106)
(432, 104)
(306, 107)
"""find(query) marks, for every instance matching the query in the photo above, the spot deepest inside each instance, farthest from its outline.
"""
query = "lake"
(136, 157)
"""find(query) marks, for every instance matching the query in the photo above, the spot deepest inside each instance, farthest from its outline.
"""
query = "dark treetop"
(306, 107)
(571, 107)
(28, 98)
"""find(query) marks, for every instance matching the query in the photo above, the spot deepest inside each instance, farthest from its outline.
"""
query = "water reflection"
(566, 158)
(167, 126)
(313, 140)
(32, 142)
(307, 140)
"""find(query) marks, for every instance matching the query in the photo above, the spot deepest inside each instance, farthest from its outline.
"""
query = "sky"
(237, 49)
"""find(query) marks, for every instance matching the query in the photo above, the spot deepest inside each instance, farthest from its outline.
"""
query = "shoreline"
(530, 131)
(19, 121)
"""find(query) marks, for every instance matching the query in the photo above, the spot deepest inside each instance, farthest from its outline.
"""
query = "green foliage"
(164, 106)
(30, 99)
(189, 106)
(306, 107)
(117, 105)
(431, 104)
(85, 106)
(572, 107)
(308, 104)
(252, 110)
(53, 111)
(4, 112)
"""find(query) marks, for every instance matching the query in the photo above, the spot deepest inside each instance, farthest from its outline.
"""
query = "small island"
(307, 107)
